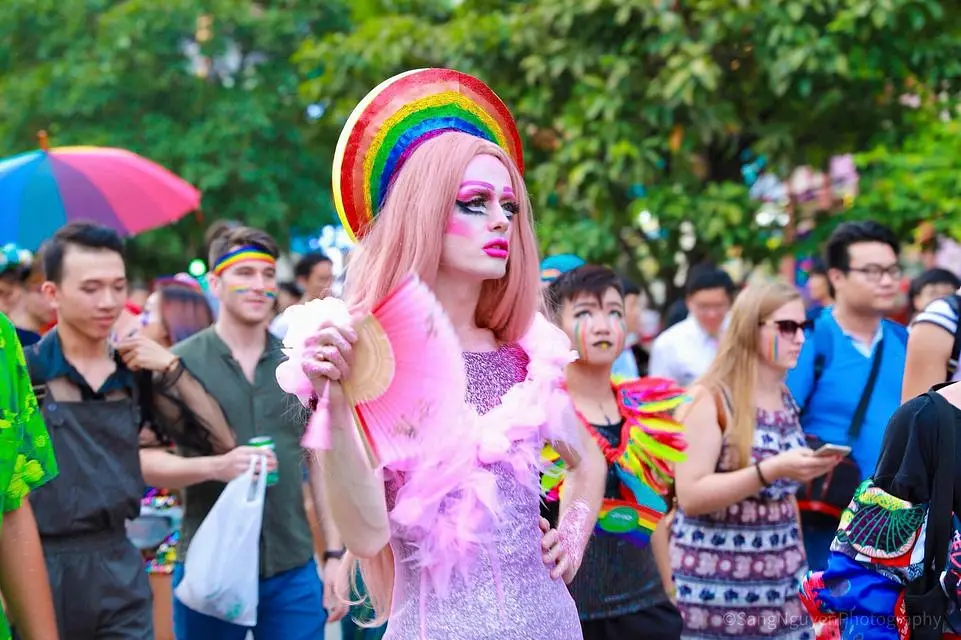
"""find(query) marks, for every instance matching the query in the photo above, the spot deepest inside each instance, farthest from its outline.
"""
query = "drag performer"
(619, 591)
(428, 175)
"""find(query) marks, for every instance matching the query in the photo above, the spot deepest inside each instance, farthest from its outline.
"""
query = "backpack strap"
(854, 430)
(823, 349)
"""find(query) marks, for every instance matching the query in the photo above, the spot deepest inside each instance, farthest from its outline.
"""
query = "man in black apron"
(90, 401)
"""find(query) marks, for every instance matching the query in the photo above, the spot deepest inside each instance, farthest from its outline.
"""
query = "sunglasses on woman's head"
(789, 328)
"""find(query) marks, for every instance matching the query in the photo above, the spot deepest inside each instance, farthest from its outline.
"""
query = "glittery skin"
(530, 605)
(575, 533)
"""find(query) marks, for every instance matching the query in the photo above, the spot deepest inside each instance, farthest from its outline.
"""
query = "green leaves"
(625, 106)
(631, 106)
(224, 113)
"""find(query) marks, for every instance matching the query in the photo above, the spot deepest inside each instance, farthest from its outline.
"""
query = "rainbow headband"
(242, 254)
(398, 116)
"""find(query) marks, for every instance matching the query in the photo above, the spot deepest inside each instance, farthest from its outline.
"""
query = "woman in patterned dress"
(736, 551)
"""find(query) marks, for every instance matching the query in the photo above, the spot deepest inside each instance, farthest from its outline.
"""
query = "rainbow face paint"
(242, 254)
(773, 349)
(620, 334)
(581, 329)
(239, 290)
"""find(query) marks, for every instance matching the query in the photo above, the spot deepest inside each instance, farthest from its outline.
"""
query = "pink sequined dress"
(508, 593)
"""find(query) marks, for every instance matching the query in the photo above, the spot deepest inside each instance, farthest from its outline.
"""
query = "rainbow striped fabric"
(242, 254)
(651, 443)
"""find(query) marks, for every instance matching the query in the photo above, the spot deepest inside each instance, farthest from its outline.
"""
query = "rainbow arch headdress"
(394, 119)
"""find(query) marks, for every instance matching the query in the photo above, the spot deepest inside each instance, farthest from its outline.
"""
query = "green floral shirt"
(26, 454)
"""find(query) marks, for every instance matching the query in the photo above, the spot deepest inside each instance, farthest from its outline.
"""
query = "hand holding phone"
(832, 450)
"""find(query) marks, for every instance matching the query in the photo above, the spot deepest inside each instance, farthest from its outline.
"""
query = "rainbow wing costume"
(651, 442)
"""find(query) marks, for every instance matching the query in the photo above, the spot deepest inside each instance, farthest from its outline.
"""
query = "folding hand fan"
(407, 383)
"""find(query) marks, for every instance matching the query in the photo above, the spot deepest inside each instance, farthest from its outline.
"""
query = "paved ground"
(333, 633)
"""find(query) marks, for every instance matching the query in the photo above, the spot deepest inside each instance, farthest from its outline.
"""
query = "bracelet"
(334, 554)
(760, 475)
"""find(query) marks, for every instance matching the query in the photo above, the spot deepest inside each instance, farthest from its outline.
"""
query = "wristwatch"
(334, 554)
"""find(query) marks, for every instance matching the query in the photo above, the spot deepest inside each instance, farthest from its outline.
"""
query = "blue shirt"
(625, 365)
(829, 407)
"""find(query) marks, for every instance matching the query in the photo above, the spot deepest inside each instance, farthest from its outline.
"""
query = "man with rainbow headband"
(235, 360)
(619, 590)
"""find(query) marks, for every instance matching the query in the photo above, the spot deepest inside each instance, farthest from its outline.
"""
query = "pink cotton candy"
(304, 322)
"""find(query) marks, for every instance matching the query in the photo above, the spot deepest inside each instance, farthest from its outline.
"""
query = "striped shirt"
(941, 314)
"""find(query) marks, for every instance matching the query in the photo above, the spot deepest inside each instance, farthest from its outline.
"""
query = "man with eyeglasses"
(848, 377)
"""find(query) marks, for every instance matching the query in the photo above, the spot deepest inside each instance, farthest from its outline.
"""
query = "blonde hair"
(734, 370)
(407, 236)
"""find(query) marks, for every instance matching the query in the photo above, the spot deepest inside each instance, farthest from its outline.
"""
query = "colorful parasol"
(42, 190)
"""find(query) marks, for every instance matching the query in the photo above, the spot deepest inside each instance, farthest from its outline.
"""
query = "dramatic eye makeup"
(474, 196)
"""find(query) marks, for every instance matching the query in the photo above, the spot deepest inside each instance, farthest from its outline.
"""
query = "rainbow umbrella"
(42, 190)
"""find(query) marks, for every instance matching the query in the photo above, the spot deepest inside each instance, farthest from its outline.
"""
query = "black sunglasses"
(789, 328)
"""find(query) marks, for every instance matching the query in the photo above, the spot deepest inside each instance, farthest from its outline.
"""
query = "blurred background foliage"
(637, 115)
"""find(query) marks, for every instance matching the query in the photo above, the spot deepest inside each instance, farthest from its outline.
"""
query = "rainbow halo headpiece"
(394, 119)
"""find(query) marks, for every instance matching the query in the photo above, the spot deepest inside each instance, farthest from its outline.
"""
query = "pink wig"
(407, 236)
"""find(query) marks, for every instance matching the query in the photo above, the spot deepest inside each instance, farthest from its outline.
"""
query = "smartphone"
(833, 450)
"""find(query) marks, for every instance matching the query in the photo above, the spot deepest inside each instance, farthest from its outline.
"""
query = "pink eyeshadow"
(467, 194)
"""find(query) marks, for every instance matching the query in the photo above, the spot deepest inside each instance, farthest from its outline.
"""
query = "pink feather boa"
(447, 507)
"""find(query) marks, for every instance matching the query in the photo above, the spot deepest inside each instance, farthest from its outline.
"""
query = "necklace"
(607, 419)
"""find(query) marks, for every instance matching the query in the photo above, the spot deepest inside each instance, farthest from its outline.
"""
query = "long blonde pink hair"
(407, 236)
(734, 369)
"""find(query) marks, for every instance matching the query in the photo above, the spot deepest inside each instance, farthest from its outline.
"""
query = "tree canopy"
(638, 116)
(206, 89)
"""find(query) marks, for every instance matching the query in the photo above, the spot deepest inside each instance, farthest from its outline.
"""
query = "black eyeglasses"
(874, 272)
(789, 328)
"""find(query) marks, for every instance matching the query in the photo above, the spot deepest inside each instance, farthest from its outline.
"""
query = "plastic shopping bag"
(222, 568)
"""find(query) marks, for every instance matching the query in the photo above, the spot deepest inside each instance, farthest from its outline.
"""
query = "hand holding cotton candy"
(314, 327)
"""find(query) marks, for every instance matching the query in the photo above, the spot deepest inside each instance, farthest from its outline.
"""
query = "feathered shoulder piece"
(655, 440)
(651, 442)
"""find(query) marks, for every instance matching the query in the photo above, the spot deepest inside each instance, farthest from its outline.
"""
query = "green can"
(268, 443)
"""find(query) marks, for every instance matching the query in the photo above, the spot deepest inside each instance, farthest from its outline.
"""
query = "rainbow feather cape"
(651, 443)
